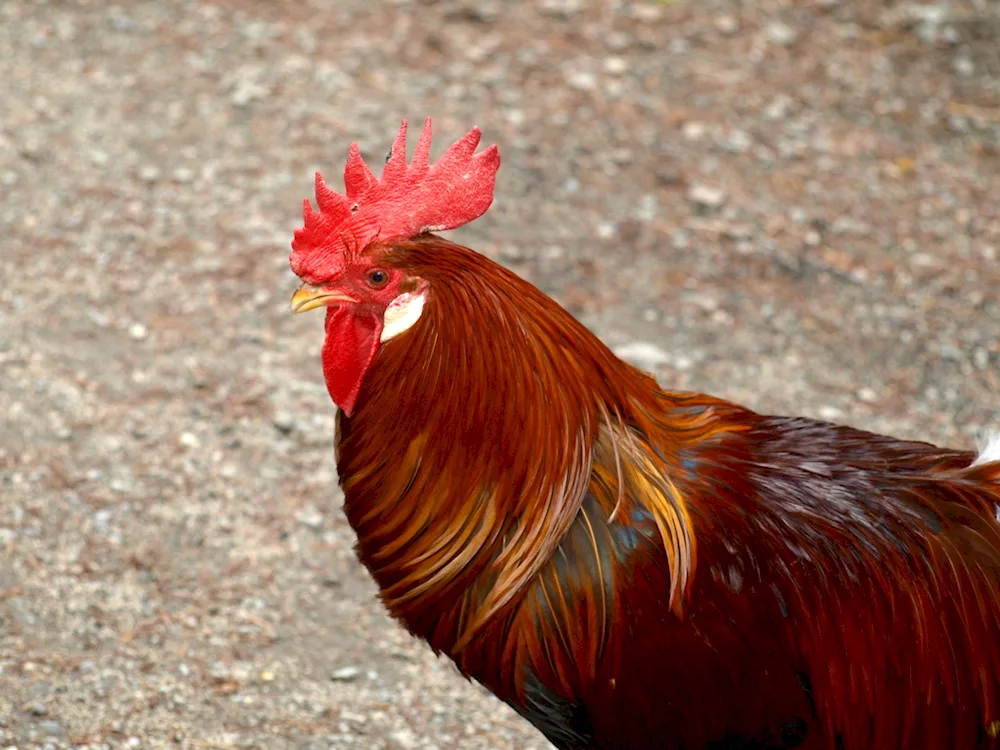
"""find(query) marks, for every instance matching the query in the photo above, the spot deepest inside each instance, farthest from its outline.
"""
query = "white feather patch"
(990, 451)
(401, 314)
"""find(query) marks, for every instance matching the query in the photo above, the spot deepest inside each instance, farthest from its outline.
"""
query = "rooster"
(629, 567)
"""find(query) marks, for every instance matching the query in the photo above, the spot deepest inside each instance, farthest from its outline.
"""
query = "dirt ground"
(793, 204)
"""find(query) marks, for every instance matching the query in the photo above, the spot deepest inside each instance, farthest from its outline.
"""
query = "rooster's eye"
(377, 278)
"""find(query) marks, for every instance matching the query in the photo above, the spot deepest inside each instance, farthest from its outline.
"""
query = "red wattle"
(351, 343)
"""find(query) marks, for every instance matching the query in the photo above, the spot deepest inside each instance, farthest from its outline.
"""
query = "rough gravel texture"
(791, 204)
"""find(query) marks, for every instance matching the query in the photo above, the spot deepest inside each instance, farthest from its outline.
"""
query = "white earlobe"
(401, 314)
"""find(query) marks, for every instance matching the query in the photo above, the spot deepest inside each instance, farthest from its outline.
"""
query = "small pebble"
(829, 412)
(310, 517)
(680, 239)
(606, 230)
(564, 9)
(693, 130)
(405, 738)
(51, 729)
(284, 422)
(868, 395)
(707, 196)
(189, 440)
(183, 174)
(727, 24)
(781, 33)
(963, 66)
(615, 65)
(582, 80)
(346, 674)
(37, 708)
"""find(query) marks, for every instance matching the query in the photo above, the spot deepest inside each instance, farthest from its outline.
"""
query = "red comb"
(408, 200)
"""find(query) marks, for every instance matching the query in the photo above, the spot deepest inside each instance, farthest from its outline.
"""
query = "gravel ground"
(788, 203)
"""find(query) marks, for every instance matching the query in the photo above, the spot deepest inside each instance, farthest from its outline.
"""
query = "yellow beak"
(309, 297)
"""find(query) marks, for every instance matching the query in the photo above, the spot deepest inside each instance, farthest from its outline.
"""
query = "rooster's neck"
(469, 451)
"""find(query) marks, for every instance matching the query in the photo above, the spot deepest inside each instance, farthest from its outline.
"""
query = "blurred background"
(789, 203)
